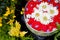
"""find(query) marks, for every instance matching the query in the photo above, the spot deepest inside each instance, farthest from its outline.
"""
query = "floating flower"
(43, 6)
(45, 19)
(27, 20)
(28, 15)
(52, 11)
(36, 14)
(45, 15)
(44, 28)
(56, 1)
(34, 0)
(36, 25)
(31, 20)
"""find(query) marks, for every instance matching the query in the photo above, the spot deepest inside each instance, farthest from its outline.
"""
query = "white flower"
(54, 29)
(56, 1)
(45, 19)
(36, 14)
(44, 13)
(43, 6)
(28, 15)
(50, 5)
(52, 11)
(34, 0)
(26, 19)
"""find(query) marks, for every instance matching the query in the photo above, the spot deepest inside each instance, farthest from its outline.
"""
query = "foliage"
(57, 35)
(9, 27)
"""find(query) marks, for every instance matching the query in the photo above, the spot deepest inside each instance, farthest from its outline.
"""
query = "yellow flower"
(5, 17)
(17, 25)
(10, 22)
(7, 8)
(0, 19)
(22, 33)
(12, 0)
(0, 24)
(7, 12)
(21, 12)
(12, 11)
(14, 16)
(44, 6)
(14, 32)
(23, 9)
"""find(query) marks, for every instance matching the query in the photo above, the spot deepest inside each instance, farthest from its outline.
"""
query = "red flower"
(51, 26)
(36, 25)
(31, 20)
(30, 6)
(28, 11)
(57, 18)
(44, 28)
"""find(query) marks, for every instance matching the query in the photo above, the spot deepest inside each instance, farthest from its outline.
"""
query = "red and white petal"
(40, 25)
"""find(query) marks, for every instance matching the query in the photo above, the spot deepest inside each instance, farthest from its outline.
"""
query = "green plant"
(9, 27)
(57, 35)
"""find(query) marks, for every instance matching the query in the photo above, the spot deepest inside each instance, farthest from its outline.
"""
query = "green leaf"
(55, 38)
(58, 26)
(6, 37)
(29, 37)
(58, 34)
